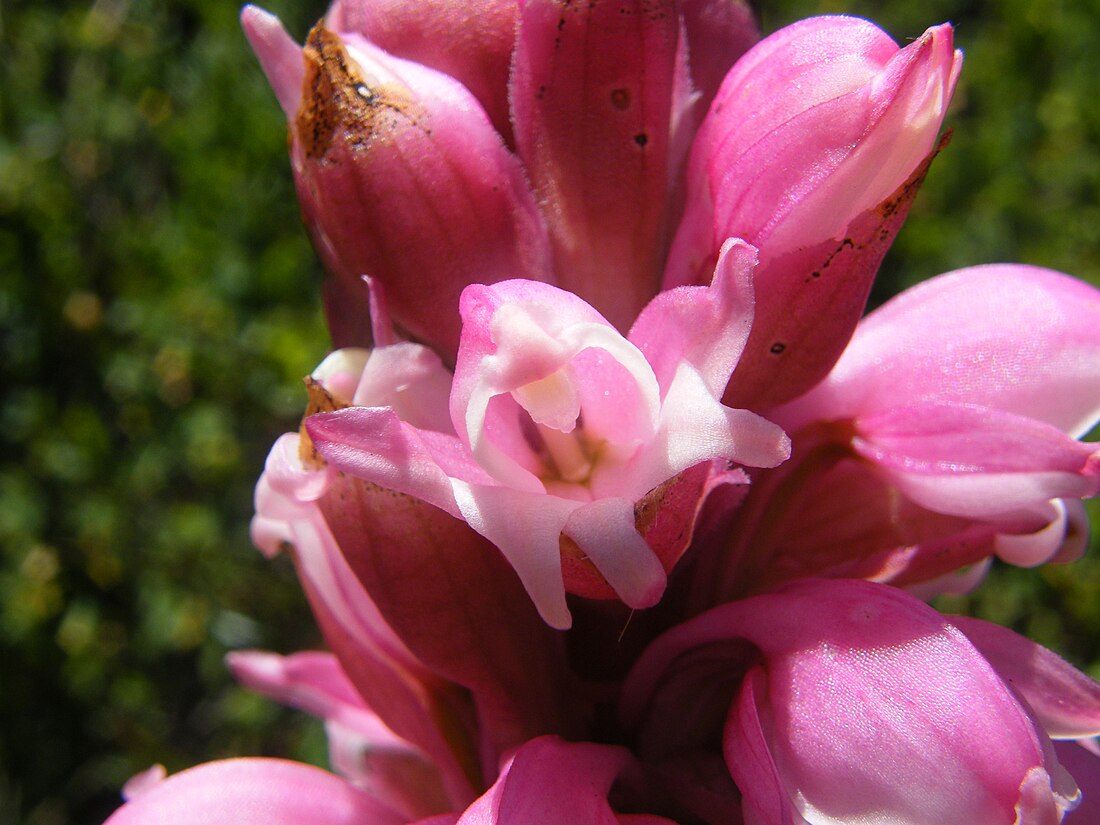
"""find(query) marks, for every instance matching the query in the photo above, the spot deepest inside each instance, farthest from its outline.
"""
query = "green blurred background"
(159, 305)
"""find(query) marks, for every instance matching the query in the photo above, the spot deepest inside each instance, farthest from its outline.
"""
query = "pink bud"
(401, 177)
(596, 93)
(851, 702)
(811, 152)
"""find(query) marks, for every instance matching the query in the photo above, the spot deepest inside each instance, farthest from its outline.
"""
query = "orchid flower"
(828, 712)
(945, 434)
(562, 426)
(589, 264)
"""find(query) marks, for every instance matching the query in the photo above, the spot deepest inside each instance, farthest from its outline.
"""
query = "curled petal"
(975, 461)
(1082, 760)
(706, 326)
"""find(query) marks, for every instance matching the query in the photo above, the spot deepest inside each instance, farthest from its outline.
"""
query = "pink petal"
(1065, 700)
(811, 152)
(409, 699)
(605, 531)
(1016, 338)
(552, 782)
(593, 90)
(843, 714)
(1083, 763)
(706, 326)
(444, 594)
(718, 32)
(975, 461)
(372, 443)
(279, 55)
(402, 177)
(361, 747)
(254, 792)
(470, 41)
(527, 528)
(1063, 539)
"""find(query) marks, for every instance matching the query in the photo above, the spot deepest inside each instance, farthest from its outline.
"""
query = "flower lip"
(556, 398)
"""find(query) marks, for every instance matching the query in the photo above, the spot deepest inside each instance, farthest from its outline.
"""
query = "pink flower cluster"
(609, 505)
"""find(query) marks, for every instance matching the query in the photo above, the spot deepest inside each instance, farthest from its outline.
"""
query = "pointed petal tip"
(280, 57)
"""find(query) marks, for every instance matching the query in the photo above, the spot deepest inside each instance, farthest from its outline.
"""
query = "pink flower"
(845, 701)
(563, 425)
(945, 434)
(609, 247)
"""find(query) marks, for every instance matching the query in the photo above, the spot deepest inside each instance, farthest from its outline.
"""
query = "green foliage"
(159, 305)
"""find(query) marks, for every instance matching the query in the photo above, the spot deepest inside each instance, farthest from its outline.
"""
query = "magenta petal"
(812, 152)
(254, 792)
(1082, 760)
(593, 92)
(402, 177)
(975, 461)
(706, 326)
(718, 32)
(849, 719)
(1065, 701)
(1016, 338)
(551, 782)
(444, 594)
(471, 41)
(279, 55)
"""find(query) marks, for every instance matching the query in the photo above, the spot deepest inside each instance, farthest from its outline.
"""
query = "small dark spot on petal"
(777, 348)
(620, 98)
(641, 139)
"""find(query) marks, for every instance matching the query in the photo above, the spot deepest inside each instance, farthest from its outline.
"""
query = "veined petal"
(592, 99)
(812, 152)
(718, 33)
(837, 719)
(443, 594)
(374, 444)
